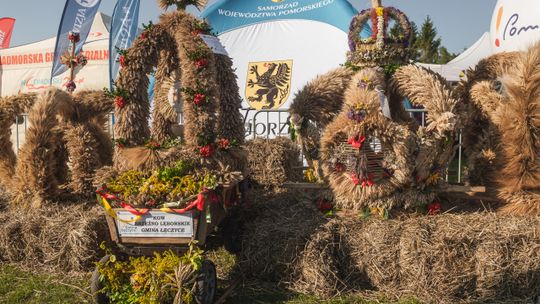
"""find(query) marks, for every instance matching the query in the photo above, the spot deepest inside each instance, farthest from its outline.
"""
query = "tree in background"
(429, 47)
(445, 56)
(428, 43)
(396, 31)
(425, 45)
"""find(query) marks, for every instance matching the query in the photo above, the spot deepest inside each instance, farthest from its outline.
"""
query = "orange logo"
(498, 25)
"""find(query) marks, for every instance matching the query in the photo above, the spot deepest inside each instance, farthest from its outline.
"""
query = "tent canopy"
(468, 59)
(226, 15)
(293, 41)
(27, 68)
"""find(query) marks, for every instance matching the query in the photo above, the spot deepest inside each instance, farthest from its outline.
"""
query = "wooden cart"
(157, 231)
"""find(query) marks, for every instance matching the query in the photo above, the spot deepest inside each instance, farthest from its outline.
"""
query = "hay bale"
(272, 162)
(447, 258)
(64, 239)
(278, 229)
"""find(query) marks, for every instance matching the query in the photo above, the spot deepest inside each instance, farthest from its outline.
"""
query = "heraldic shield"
(268, 84)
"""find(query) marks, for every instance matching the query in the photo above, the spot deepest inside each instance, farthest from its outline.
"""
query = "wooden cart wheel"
(95, 284)
(206, 283)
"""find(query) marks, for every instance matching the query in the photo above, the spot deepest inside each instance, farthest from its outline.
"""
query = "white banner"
(155, 224)
(515, 25)
(214, 44)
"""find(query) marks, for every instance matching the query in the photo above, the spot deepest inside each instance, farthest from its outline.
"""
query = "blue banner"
(77, 17)
(124, 23)
(226, 15)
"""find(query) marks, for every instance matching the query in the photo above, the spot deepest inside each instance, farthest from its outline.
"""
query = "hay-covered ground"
(292, 253)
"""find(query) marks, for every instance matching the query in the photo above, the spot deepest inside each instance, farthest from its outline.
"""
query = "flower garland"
(72, 60)
(122, 59)
(357, 113)
(120, 96)
(199, 57)
(198, 96)
(120, 143)
(379, 48)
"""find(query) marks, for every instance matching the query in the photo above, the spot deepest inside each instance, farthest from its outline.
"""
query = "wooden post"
(72, 68)
(376, 3)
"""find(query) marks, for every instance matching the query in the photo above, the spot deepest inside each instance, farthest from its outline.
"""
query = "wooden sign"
(155, 224)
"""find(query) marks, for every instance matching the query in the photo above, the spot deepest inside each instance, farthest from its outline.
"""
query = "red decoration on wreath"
(207, 151)
(119, 101)
(142, 36)
(324, 206)
(122, 60)
(224, 144)
(368, 182)
(357, 141)
(199, 98)
(153, 145)
(363, 182)
(196, 32)
(120, 143)
(201, 63)
(434, 208)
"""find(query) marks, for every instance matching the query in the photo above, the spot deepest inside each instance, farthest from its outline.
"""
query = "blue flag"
(124, 23)
(77, 18)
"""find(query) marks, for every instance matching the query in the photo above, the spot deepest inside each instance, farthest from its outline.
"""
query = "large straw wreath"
(176, 47)
(361, 136)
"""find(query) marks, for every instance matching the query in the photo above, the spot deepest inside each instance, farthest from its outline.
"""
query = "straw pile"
(448, 258)
(272, 162)
(58, 238)
(281, 225)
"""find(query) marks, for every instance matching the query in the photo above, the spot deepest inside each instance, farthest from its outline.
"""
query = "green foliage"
(148, 26)
(396, 32)
(147, 280)
(445, 56)
(428, 43)
(179, 169)
(168, 184)
(390, 69)
(427, 47)
(127, 184)
(193, 257)
(115, 92)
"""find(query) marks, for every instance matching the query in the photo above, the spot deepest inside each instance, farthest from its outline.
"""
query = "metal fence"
(453, 173)
(263, 123)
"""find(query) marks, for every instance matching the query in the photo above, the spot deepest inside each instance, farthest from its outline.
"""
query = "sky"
(459, 22)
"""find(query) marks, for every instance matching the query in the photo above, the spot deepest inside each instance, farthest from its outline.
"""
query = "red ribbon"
(128, 207)
(198, 203)
(357, 141)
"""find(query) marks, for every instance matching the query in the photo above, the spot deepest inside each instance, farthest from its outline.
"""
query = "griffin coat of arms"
(268, 89)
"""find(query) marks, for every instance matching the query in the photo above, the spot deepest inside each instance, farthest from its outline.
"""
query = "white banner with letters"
(155, 224)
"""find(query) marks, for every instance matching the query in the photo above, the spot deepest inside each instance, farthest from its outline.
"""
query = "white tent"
(468, 59)
(303, 38)
(27, 68)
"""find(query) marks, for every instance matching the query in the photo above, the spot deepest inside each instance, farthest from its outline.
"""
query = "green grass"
(17, 286)
(253, 295)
